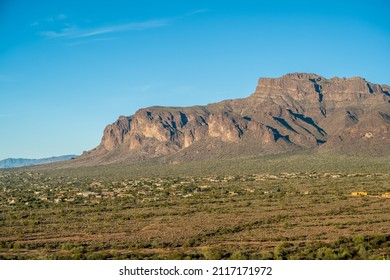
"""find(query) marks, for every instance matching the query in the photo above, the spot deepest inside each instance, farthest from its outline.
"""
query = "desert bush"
(238, 256)
(326, 253)
(17, 245)
(211, 254)
(66, 246)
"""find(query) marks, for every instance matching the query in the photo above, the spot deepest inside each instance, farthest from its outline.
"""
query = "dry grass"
(300, 215)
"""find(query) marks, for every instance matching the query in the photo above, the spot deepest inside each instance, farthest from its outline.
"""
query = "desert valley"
(297, 170)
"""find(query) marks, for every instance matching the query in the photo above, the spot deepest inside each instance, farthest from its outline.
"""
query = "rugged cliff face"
(296, 111)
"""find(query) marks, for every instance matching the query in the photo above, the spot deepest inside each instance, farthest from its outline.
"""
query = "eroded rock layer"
(296, 111)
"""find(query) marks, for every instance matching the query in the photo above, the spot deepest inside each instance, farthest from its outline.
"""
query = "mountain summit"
(295, 111)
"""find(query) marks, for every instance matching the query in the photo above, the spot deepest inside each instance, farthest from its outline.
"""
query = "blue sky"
(69, 68)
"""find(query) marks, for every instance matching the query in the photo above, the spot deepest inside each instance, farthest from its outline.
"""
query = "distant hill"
(297, 111)
(19, 162)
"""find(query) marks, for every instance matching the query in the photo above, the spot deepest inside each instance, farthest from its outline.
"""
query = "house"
(359, 193)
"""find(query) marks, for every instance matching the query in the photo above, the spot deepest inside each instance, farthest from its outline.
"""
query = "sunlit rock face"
(295, 111)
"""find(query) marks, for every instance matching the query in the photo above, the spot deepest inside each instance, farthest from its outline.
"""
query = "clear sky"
(69, 68)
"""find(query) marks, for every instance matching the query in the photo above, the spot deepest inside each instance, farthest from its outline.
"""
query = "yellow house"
(359, 193)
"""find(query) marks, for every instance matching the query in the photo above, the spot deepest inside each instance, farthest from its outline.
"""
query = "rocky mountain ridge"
(295, 111)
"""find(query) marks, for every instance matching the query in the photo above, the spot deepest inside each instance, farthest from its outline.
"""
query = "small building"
(86, 194)
(386, 195)
(359, 193)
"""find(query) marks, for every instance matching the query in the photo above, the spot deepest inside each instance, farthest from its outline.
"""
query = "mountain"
(19, 162)
(294, 112)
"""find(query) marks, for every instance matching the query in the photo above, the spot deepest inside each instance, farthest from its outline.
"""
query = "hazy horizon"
(70, 68)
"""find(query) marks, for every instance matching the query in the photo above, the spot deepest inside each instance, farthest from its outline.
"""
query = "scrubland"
(293, 206)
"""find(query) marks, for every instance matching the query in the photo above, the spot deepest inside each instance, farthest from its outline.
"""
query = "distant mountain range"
(294, 112)
(19, 162)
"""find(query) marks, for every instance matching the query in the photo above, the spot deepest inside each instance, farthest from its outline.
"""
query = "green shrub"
(211, 254)
(66, 246)
(238, 256)
(17, 245)
(325, 253)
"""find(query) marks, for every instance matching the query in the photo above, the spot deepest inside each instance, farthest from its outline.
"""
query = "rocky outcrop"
(296, 111)
(314, 88)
